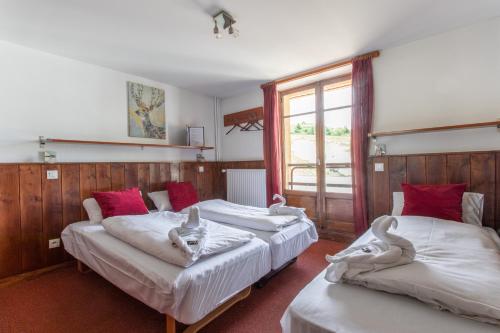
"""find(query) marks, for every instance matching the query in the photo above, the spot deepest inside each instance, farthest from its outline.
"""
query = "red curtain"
(362, 110)
(272, 141)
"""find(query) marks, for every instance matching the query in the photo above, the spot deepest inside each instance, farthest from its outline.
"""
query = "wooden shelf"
(435, 129)
(133, 144)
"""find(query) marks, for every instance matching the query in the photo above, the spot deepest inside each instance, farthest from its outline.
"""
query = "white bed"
(443, 271)
(323, 307)
(287, 243)
(186, 294)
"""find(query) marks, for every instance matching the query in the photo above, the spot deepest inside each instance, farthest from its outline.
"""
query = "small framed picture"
(195, 136)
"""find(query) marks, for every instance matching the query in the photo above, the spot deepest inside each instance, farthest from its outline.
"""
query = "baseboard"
(5, 282)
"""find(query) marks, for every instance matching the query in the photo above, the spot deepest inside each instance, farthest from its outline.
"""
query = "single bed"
(285, 244)
(340, 307)
(186, 294)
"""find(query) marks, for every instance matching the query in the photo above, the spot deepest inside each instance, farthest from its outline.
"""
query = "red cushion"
(126, 202)
(181, 195)
(439, 201)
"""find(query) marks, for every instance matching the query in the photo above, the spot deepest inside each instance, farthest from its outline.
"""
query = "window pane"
(302, 103)
(338, 151)
(300, 152)
(338, 97)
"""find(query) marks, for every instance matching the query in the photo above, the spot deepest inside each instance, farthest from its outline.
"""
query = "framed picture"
(146, 111)
(195, 136)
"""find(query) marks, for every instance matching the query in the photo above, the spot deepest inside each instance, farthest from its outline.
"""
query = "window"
(317, 137)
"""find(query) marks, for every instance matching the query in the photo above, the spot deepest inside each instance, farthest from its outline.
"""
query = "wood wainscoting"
(479, 170)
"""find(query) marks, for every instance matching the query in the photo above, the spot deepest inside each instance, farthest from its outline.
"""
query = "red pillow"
(439, 201)
(181, 195)
(126, 202)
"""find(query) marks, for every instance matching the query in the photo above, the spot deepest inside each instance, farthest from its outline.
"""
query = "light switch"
(201, 169)
(52, 174)
(379, 167)
(53, 243)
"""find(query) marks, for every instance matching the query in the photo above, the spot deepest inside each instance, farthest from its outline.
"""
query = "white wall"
(451, 78)
(52, 96)
(241, 146)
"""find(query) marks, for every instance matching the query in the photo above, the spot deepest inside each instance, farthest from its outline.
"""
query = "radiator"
(247, 187)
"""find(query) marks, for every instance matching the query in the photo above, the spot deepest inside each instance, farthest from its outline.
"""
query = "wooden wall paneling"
(175, 172)
(415, 170)
(307, 202)
(155, 183)
(71, 201)
(369, 188)
(52, 213)
(143, 182)
(381, 191)
(458, 169)
(30, 200)
(103, 177)
(205, 180)
(88, 184)
(117, 176)
(10, 219)
(164, 174)
(397, 175)
(131, 175)
(436, 169)
(482, 180)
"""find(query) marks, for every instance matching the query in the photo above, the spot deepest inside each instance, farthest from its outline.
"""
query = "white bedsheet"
(323, 307)
(245, 216)
(287, 243)
(150, 233)
(187, 294)
(457, 267)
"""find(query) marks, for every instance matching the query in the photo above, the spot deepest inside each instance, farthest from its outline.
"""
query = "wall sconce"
(224, 20)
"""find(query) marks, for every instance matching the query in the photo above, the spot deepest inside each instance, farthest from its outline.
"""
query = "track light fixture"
(225, 21)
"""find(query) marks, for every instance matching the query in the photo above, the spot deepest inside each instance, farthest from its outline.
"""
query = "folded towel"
(387, 251)
(281, 203)
(280, 208)
(191, 236)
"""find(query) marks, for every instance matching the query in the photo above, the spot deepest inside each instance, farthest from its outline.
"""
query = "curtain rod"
(321, 69)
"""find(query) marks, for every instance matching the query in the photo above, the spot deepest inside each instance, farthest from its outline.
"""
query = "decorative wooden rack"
(434, 129)
(43, 141)
(247, 120)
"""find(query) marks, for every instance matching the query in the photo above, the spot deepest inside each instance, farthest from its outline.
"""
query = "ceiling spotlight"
(225, 21)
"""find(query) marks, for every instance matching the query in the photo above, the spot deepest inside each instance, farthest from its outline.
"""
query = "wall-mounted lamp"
(224, 20)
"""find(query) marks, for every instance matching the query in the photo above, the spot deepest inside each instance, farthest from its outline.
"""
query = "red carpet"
(66, 301)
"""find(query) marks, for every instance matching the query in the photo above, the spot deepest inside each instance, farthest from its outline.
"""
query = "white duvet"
(457, 267)
(149, 233)
(244, 216)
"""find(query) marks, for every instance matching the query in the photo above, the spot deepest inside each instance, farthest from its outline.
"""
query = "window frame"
(318, 86)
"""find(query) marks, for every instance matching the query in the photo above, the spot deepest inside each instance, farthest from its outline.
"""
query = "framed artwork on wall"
(146, 111)
(195, 136)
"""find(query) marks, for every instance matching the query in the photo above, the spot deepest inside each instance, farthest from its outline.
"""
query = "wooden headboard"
(479, 170)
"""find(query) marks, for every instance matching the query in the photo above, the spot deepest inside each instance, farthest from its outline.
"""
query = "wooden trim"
(194, 328)
(33, 274)
(136, 144)
(434, 129)
(320, 69)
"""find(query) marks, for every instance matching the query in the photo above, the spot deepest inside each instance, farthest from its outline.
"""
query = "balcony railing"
(332, 166)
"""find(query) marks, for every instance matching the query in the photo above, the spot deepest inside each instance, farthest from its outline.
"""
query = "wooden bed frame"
(171, 325)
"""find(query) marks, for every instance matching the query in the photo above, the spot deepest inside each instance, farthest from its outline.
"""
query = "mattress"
(287, 243)
(187, 294)
(323, 307)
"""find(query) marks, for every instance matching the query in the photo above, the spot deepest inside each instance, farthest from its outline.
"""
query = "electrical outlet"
(52, 174)
(53, 243)
(201, 169)
(379, 167)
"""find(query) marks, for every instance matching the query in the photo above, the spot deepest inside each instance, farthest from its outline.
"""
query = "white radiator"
(247, 187)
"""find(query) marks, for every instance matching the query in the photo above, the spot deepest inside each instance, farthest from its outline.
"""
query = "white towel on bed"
(388, 250)
(281, 203)
(190, 237)
(280, 208)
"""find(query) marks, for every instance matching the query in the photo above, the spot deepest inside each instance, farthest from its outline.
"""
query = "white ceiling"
(171, 40)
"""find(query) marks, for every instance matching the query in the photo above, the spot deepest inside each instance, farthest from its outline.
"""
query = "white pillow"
(472, 207)
(161, 200)
(93, 210)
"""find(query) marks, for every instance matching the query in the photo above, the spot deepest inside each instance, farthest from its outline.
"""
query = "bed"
(285, 244)
(457, 281)
(190, 295)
